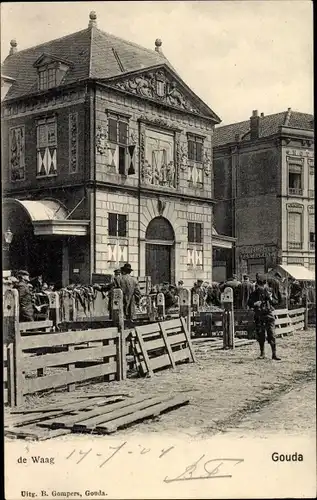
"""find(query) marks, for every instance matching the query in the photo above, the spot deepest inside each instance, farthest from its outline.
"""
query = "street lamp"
(8, 236)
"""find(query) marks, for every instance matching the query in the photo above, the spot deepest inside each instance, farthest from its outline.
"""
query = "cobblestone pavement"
(225, 387)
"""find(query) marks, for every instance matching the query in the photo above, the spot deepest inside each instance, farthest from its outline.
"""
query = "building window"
(295, 181)
(17, 153)
(311, 185)
(46, 147)
(47, 77)
(118, 242)
(194, 230)
(118, 129)
(117, 225)
(294, 230)
(195, 247)
(311, 229)
(195, 148)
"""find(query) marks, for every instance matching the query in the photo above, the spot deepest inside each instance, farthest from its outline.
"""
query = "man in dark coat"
(25, 296)
(262, 300)
(235, 284)
(246, 290)
(130, 289)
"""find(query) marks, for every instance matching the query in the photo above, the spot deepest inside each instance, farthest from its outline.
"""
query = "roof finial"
(13, 48)
(92, 19)
(158, 45)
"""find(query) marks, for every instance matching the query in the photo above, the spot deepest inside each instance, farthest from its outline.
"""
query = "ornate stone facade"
(17, 153)
(73, 142)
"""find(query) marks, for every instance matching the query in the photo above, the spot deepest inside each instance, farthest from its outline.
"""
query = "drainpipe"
(235, 166)
(139, 200)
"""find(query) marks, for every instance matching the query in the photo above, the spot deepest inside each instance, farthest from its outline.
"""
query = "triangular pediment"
(46, 59)
(162, 85)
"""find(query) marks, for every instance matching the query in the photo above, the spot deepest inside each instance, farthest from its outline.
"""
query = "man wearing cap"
(130, 289)
(262, 300)
(25, 296)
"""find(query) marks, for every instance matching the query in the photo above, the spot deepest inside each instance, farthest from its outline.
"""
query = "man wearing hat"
(25, 296)
(130, 289)
(262, 301)
(246, 290)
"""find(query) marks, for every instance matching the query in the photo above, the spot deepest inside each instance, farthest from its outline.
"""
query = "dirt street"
(228, 390)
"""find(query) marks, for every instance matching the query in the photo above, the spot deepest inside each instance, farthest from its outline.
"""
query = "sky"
(238, 56)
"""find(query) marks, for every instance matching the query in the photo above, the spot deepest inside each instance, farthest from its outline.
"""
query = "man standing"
(246, 290)
(25, 296)
(262, 301)
(130, 289)
(235, 284)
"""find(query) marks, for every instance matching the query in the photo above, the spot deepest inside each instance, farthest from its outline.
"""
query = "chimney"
(13, 48)
(92, 20)
(158, 45)
(254, 125)
(262, 115)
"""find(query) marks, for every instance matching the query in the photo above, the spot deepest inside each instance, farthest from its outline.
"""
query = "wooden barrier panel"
(73, 348)
(162, 345)
(297, 318)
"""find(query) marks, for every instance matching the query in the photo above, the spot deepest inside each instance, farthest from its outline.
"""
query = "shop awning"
(221, 241)
(49, 218)
(300, 273)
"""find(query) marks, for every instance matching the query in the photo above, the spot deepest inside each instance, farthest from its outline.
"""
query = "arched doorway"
(159, 251)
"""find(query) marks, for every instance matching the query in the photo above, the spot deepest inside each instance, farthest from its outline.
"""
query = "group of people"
(33, 297)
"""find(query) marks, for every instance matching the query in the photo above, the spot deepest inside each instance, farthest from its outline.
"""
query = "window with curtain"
(311, 230)
(295, 181)
(311, 185)
(295, 230)
(47, 147)
(195, 246)
(118, 241)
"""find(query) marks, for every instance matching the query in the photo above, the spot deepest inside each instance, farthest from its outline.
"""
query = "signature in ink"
(210, 469)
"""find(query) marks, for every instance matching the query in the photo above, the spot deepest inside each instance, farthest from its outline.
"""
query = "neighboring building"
(107, 158)
(264, 188)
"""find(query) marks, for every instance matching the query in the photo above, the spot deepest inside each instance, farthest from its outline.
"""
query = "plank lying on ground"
(97, 415)
(237, 344)
(61, 405)
(25, 419)
(152, 411)
(34, 432)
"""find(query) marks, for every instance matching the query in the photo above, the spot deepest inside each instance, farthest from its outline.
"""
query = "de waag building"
(107, 158)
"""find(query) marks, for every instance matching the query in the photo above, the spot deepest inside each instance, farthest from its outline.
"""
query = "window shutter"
(112, 130)
(122, 159)
(123, 133)
(199, 152)
(191, 232)
(122, 225)
(198, 233)
(191, 150)
(112, 224)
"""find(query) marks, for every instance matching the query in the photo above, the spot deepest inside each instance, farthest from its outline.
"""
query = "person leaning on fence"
(262, 301)
(130, 290)
(25, 297)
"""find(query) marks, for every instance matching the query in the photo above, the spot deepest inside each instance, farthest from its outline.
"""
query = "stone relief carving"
(161, 204)
(17, 153)
(133, 138)
(158, 85)
(207, 164)
(183, 157)
(101, 140)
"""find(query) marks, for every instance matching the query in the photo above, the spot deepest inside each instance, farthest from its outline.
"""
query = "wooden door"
(158, 263)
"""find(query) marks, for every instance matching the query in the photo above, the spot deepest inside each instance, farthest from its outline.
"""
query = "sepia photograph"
(158, 249)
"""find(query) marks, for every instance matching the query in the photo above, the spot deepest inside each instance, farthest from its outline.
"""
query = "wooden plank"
(172, 323)
(150, 328)
(300, 310)
(64, 358)
(167, 344)
(152, 411)
(52, 381)
(187, 335)
(96, 415)
(163, 361)
(35, 432)
(286, 329)
(107, 416)
(55, 339)
(35, 325)
(37, 417)
(144, 351)
(279, 312)
(282, 321)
